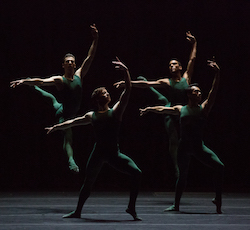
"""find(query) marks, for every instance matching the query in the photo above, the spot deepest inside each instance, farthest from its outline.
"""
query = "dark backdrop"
(35, 35)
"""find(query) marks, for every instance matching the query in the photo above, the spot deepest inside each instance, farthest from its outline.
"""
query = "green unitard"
(176, 96)
(66, 108)
(106, 150)
(192, 121)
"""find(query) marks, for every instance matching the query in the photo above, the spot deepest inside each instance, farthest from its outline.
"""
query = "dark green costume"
(192, 122)
(106, 150)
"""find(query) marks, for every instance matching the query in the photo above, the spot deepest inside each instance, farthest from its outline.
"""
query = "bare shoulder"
(165, 82)
(177, 108)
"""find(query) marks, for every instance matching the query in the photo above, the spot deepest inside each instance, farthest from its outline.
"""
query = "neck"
(192, 104)
(103, 109)
(69, 75)
(176, 76)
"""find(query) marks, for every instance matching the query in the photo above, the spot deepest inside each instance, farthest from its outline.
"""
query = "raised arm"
(55, 80)
(82, 71)
(190, 66)
(121, 105)
(83, 120)
(161, 83)
(175, 110)
(209, 102)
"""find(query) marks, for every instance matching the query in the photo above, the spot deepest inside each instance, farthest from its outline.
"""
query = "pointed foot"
(172, 208)
(133, 214)
(73, 214)
(218, 205)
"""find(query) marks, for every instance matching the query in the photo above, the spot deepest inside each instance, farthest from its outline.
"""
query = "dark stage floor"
(107, 211)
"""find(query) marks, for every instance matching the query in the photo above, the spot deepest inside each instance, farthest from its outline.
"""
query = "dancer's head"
(174, 66)
(69, 62)
(194, 93)
(100, 96)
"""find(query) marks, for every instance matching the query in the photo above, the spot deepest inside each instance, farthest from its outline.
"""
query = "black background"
(145, 35)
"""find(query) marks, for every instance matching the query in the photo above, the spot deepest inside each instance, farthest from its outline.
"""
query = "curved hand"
(119, 65)
(94, 31)
(143, 111)
(49, 129)
(15, 83)
(190, 37)
(213, 65)
(119, 84)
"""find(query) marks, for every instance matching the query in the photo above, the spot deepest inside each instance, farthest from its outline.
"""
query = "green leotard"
(192, 122)
(70, 98)
(106, 150)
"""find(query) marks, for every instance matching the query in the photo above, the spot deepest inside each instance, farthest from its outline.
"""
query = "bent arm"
(175, 110)
(209, 102)
(190, 66)
(55, 80)
(121, 105)
(82, 71)
(83, 120)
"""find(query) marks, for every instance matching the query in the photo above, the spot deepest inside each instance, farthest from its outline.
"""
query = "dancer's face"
(174, 66)
(69, 63)
(195, 94)
(104, 97)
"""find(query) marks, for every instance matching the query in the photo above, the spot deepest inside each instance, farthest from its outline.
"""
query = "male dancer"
(192, 118)
(175, 87)
(106, 122)
(70, 87)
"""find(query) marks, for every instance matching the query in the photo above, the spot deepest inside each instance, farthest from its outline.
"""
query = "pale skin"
(194, 98)
(174, 68)
(103, 104)
(70, 71)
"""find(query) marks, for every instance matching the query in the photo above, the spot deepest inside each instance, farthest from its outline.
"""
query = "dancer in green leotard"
(192, 118)
(175, 87)
(106, 122)
(70, 87)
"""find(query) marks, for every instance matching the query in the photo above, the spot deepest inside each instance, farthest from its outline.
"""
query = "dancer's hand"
(50, 129)
(213, 65)
(143, 111)
(94, 31)
(119, 65)
(119, 84)
(15, 83)
(190, 37)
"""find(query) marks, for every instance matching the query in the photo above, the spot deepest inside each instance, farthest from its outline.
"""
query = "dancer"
(106, 122)
(175, 87)
(192, 118)
(70, 87)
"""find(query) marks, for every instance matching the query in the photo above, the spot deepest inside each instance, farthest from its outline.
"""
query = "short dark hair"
(96, 93)
(189, 88)
(68, 55)
(176, 59)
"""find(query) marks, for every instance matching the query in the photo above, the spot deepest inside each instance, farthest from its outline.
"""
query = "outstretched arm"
(209, 102)
(161, 83)
(190, 67)
(55, 80)
(121, 105)
(82, 71)
(175, 110)
(83, 120)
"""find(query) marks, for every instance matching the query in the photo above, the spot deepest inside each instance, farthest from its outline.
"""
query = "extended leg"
(173, 142)
(126, 165)
(209, 158)
(159, 97)
(67, 147)
(93, 168)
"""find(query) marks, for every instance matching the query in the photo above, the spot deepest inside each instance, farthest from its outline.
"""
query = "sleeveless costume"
(192, 122)
(106, 150)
